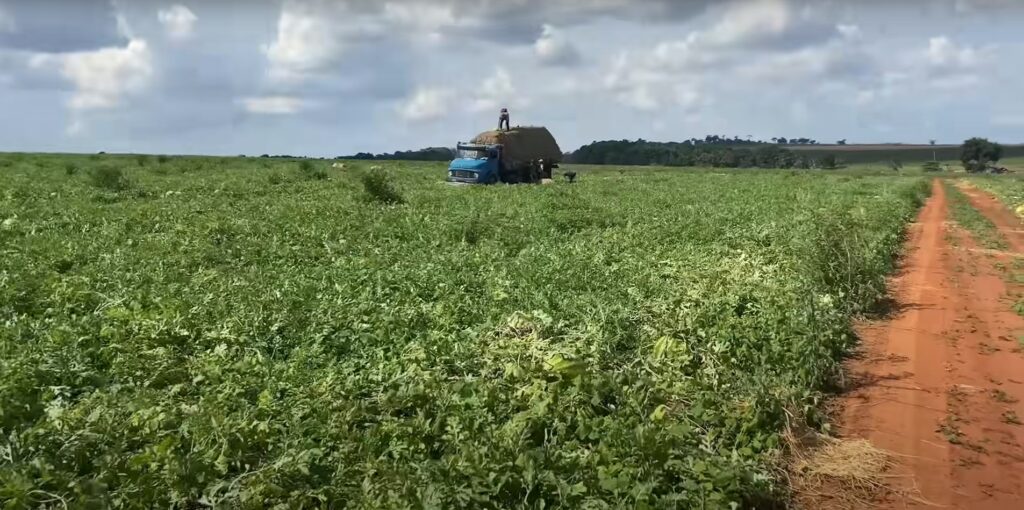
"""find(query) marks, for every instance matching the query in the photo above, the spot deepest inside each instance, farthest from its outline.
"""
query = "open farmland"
(250, 332)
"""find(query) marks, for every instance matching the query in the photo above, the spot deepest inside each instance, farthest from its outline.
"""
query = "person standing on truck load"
(503, 119)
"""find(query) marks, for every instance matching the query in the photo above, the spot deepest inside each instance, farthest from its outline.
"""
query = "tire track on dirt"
(933, 382)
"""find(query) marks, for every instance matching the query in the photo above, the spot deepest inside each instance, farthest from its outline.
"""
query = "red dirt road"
(940, 383)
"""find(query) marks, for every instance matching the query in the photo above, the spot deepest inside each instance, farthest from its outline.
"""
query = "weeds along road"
(939, 383)
(1005, 221)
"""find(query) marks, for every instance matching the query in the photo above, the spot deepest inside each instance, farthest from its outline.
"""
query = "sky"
(326, 78)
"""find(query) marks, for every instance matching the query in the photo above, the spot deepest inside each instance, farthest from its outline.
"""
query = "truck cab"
(476, 164)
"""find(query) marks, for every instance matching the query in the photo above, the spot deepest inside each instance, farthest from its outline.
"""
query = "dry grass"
(830, 473)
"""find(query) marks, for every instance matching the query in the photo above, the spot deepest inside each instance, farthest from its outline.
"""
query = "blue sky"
(324, 78)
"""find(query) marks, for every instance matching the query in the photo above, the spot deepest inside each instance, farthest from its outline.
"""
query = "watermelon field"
(258, 333)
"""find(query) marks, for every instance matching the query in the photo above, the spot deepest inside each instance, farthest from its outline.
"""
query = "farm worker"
(503, 119)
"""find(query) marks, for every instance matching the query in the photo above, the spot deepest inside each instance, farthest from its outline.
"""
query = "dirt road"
(940, 382)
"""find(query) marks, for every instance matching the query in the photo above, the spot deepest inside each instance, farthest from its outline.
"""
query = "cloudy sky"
(324, 78)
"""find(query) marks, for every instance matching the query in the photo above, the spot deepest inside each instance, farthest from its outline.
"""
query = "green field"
(251, 332)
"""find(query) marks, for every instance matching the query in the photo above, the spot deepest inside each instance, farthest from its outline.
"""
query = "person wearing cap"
(503, 119)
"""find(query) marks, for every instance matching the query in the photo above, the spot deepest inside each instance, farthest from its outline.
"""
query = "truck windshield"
(473, 153)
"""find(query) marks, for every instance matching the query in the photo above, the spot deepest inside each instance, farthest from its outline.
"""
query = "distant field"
(904, 153)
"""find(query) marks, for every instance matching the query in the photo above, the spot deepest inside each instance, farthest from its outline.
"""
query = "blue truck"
(518, 155)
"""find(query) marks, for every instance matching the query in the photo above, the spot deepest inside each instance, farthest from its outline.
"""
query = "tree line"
(688, 153)
(977, 154)
(428, 154)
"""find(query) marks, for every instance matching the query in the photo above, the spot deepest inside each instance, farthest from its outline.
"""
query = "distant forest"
(712, 150)
(723, 152)
(428, 154)
(715, 152)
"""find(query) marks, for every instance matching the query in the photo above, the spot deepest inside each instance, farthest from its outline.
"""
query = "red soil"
(940, 382)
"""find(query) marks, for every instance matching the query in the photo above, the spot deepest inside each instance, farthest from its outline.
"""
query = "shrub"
(311, 171)
(931, 166)
(109, 178)
(142, 159)
(473, 230)
(70, 169)
(275, 178)
(378, 188)
(162, 159)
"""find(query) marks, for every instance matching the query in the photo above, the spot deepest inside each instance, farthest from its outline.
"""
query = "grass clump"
(110, 178)
(311, 171)
(377, 187)
(474, 230)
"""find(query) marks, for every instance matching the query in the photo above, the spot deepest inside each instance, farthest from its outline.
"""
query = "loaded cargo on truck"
(519, 155)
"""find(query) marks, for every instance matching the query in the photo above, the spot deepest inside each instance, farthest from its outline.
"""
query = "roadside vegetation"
(964, 214)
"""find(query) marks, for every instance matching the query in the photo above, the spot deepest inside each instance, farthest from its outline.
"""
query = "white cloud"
(746, 22)
(761, 23)
(743, 37)
(670, 74)
(553, 49)
(179, 21)
(6, 21)
(842, 60)
(970, 6)
(951, 67)
(312, 36)
(634, 83)
(102, 77)
(849, 31)
(496, 92)
(272, 105)
(305, 42)
(943, 53)
(426, 18)
(427, 104)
